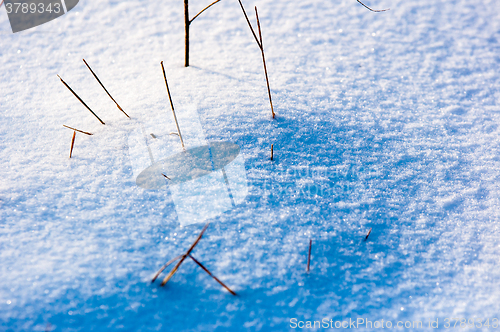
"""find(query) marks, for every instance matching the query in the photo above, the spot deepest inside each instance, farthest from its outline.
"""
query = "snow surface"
(384, 120)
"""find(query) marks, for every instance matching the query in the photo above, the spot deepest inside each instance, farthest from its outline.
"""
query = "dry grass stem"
(80, 131)
(72, 144)
(98, 80)
(210, 274)
(172, 105)
(210, 5)
(165, 266)
(373, 10)
(80, 99)
(261, 46)
(309, 255)
(367, 235)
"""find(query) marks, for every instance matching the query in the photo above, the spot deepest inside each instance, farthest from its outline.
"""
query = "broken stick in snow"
(309, 255)
(367, 235)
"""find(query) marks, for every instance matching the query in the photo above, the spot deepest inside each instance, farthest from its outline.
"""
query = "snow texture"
(384, 120)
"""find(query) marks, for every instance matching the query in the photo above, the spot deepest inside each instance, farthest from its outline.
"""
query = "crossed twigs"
(182, 258)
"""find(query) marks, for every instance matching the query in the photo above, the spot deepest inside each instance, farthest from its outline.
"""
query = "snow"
(384, 120)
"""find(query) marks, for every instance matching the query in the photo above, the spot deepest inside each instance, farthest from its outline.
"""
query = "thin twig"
(176, 267)
(98, 80)
(72, 144)
(367, 235)
(80, 99)
(83, 132)
(249, 24)
(166, 176)
(309, 255)
(165, 266)
(373, 10)
(264, 62)
(258, 26)
(210, 274)
(272, 151)
(172, 105)
(210, 5)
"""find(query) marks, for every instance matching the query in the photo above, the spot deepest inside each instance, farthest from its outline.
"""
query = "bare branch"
(373, 10)
(210, 5)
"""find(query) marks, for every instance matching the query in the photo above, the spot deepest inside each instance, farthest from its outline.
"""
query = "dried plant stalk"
(80, 131)
(80, 99)
(210, 274)
(187, 24)
(373, 10)
(172, 105)
(165, 266)
(367, 235)
(98, 80)
(309, 255)
(261, 46)
(72, 144)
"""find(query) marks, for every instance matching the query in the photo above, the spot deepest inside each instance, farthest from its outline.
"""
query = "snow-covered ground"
(384, 120)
